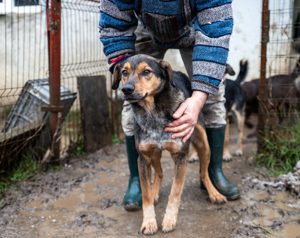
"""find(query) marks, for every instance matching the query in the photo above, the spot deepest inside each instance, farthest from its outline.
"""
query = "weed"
(281, 150)
(115, 139)
(4, 185)
(76, 149)
(26, 169)
(79, 149)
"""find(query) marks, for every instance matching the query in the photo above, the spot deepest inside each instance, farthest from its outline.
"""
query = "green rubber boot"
(132, 200)
(223, 185)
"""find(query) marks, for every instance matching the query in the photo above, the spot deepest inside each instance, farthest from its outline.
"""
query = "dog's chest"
(150, 127)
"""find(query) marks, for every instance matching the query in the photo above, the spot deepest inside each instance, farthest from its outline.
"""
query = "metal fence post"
(54, 43)
(262, 82)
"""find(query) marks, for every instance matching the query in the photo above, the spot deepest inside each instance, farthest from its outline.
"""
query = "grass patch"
(281, 150)
(76, 149)
(25, 169)
(115, 139)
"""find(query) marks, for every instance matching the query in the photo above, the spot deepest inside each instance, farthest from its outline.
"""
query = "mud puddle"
(274, 214)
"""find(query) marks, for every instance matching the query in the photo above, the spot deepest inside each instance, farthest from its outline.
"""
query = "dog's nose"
(128, 89)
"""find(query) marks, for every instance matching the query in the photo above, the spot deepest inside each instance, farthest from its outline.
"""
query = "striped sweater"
(204, 24)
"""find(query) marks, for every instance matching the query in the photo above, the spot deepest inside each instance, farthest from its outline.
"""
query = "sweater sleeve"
(117, 23)
(213, 28)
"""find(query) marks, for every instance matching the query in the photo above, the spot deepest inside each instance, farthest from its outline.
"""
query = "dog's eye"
(146, 72)
(124, 73)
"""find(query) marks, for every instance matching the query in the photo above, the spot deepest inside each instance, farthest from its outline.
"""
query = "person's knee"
(214, 115)
(127, 120)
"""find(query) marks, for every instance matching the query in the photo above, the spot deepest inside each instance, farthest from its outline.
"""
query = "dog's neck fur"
(164, 104)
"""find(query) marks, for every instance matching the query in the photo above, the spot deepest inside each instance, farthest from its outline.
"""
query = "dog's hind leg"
(226, 153)
(192, 155)
(200, 142)
(147, 154)
(180, 159)
(241, 121)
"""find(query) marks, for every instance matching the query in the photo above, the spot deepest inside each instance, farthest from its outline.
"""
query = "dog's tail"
(243, 71)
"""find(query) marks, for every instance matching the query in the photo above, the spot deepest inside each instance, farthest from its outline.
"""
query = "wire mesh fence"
(81, 55)
(24, 59)
(283, 65)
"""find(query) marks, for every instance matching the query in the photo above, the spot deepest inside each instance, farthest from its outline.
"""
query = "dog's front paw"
(169, 223)
(149, 227)
(238, 152)
(227, 156)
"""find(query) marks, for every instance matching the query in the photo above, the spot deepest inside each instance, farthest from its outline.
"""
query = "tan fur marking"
(148, 103)
(141, 67)
(172, 147)
(158, 176)
(170, 217)
(241, 122)
(147, 149)
(152, 154)
(128, 68)
(226, 153)
(146, 84)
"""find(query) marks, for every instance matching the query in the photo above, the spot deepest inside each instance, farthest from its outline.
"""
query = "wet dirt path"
(84, 200)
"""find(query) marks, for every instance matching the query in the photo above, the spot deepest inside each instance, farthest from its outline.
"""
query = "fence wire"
(81, 55)
(24, 58)
(283, 65)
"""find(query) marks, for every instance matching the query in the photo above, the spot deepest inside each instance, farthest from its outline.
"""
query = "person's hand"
(186, 116)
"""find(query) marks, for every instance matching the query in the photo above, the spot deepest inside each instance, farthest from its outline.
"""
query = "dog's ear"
(116, 77)
(229, 70)
(167, 69)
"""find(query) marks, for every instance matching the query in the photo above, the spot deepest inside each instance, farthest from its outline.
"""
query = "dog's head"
(142, 77)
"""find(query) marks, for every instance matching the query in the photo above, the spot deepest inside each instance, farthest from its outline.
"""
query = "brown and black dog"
(155, 91)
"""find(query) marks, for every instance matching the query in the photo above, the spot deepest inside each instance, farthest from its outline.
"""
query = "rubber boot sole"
(132, 207)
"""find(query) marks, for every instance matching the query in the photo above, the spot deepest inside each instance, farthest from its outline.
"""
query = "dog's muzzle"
(128, 89)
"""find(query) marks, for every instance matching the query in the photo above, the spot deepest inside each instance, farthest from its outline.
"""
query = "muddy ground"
(84, 199)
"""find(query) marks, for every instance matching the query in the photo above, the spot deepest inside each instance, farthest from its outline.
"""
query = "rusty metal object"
(54, 39)
(262, 81)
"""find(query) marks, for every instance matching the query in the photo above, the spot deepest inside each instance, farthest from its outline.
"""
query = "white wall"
(246, 37)
(245, 40)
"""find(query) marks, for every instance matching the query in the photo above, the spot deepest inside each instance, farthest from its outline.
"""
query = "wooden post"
(95, 120)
